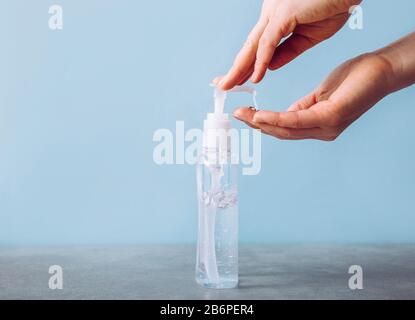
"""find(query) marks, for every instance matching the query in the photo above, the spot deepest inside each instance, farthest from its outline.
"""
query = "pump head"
(217, 124)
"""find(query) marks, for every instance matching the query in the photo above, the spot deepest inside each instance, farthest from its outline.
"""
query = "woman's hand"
(351, 90)
(307, 21)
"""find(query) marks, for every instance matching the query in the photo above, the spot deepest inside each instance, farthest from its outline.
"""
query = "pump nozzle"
(218, 124)
(220, 96)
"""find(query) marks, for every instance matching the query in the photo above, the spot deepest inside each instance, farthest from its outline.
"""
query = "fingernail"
(254, 78)
(221, 83)
(236, 114)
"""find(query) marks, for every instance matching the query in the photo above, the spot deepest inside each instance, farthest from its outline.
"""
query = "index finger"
(307, 118)
(245, 58)
(278, 28)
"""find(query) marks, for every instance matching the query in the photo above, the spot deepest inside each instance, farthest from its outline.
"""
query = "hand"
(351, 90)
(308, 22)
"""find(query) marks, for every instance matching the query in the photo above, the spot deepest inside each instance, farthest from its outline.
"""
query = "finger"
(304, 103)
(217, 80)
(247, 76)
(276, 29)
(245, 114)
(292, 134)
(249, 124)
(245, 58)
(291, 49)
(308, 118)
(296, 119)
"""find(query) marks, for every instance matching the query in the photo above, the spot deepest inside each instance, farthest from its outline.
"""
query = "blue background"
(78, 109)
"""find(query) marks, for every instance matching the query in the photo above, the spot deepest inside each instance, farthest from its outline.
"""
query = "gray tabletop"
(167, 272)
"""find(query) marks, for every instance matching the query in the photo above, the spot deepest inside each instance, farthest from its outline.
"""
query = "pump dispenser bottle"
(217, 249)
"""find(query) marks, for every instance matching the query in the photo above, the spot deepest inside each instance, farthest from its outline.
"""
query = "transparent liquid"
(217, 257)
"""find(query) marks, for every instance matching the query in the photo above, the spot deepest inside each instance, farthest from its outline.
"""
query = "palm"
(351, 89)
(343, 97)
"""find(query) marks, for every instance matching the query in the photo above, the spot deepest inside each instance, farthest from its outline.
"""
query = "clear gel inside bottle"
(217, 251)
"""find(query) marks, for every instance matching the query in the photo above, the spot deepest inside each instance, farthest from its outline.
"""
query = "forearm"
(400, 56)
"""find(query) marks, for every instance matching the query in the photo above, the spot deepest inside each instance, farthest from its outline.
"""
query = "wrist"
(400, 62)
(388, 67)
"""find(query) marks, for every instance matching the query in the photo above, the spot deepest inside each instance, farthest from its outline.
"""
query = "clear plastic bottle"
(217, 250)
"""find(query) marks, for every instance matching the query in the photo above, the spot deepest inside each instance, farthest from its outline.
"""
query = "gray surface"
(156, 272)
